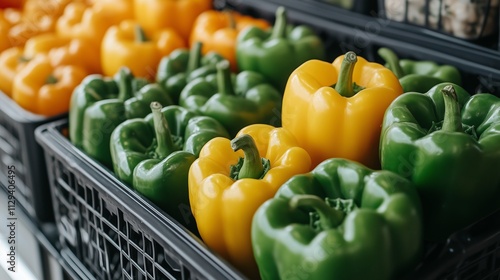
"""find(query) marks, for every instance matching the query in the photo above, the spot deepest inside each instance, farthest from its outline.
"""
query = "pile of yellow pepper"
(48, 47)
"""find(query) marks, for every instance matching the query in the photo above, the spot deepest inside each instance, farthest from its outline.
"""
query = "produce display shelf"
(20, 151)
(117, 234)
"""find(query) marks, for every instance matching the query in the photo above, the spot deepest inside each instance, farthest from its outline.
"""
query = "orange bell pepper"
(18, 4)
(218, 30)
(11, 61)
(128, 45)
(336, 109)
(12, 29)
(178, 14)
(91, 22)
(4, 33)
(46, 90)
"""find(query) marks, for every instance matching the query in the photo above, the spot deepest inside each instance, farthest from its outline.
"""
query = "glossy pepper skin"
(448, 144)
(90, 22)
(177, 14)
(249, 99)
(154, 155)
(76, 53)
(336, 109)
(44, 89)
(232, 178)
(124, 43)
(11, 61)
(218, 31)
(277, 51)
(340, 221)
(100, 103)
(184, 65)
(419, 76)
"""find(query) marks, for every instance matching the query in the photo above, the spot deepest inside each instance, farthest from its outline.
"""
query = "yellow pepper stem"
(165, 145)
(344, 84)
(328, 217)
(252, 163)
(452, 121)
(392, 60)
(230, 16)
(279, 28)
(224, 82)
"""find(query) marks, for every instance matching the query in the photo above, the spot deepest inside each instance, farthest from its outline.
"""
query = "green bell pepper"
(276, 52)
(419, 76)
(448, 144)
(340, 221)
(153, 154)
(235, 101)
(99, 104)
(183, 66)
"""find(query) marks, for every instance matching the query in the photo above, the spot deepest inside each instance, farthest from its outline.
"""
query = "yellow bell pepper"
(336, 109)
(11, 61)
(178, 14)
(43, 43)
(76, 52)
(44, 89)
(225, 191)
(128, 45)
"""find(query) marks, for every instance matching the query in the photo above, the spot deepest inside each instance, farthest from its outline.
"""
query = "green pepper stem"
(140, 34)
(51, 79)
(224, 82)
(452, 121)
(279, 28)
(344, 84)
(194, 61)
(252, 163)
(328, 217)
(165, 145)
(392, 60)
(230, 17)
(125, 84)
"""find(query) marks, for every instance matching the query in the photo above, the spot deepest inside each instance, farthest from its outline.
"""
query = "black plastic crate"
(344, 30)
(113, 231)
(18, 148)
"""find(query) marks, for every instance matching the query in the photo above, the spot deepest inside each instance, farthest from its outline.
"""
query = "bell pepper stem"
(51, 79)
(452, 121)
(224, 82)
(279, 28)
(140, 34)
(328, 217)
(194, 61)
(125, 84)
(165, 145)
(392, 60)
(230, 17)
(344, 84)
(252, 163)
